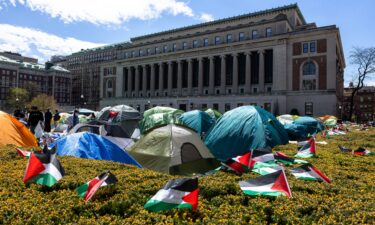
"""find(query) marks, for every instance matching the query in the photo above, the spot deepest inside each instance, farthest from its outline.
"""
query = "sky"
(42, 28)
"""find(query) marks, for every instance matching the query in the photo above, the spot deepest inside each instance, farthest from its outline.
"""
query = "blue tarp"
(302, 127)
(242, 129)
(92, 146)
(198, 120)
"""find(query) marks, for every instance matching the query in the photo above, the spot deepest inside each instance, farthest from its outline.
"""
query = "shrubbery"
(349, 199)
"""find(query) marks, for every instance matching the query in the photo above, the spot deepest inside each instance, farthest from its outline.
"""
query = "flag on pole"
(273, 184)
(309, 172)
(177, 193)
(43, 169)
(87, 190)
(308, 150)
(23, 153)
(286, 160)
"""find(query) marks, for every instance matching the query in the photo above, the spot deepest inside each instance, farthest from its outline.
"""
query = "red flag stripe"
(324, 177)
(93, 187)
(192, 198)
(34, 167)
(281, 184)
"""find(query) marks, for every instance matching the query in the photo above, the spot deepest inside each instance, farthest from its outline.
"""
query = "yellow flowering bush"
(348, 199)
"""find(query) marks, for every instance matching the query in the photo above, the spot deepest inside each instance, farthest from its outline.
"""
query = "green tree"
(17, 98)
(33, 88)
(44, 102)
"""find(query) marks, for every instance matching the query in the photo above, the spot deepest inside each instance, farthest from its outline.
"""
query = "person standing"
(56, 118)
(34, 117)
(48, 118)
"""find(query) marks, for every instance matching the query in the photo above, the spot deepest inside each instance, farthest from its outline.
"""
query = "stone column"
(161, 78)
(152, 85)
(211, 79)
(179, 77)
(235, 73)
(130, 80)
(137, 69)
(223, 74)
(101, 83)
(200, 76)
(248, 73)
(190, 76)
(261, 70)
(119, 81)
(144, 80)
(170, 70)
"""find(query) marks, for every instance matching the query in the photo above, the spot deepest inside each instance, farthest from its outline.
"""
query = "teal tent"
(198, 120)
(242, 129)
(303, 127)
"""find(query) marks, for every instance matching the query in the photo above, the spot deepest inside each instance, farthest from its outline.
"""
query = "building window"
(217, 92)
(174, 47)
(269, 89)
(217, 40)
(239, 104)
(156, 50)
(195, 44)
(254, 34)
(309, 68)
(241, 36)
(109, 88)
(227, 107)
(268, 32)
(184, 45)
(255, 90)
(312, 46)
(305, 47)
(140, 52)
(215, 106)
(148, 51)
(133, 53)
(165, 48)
(229, 38)
(205, 42)
(309, 84)
(309, 108)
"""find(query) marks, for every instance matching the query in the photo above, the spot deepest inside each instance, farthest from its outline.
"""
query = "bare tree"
(364, 59)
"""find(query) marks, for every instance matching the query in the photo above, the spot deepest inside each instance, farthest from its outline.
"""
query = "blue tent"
(302, 127)
(92, 146)
(198, 120)
(242, 129)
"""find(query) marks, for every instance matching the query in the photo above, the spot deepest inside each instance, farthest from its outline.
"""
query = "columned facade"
(205, 70)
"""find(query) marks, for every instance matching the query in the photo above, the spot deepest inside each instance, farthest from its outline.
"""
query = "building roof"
(28, 65)
(229, 19)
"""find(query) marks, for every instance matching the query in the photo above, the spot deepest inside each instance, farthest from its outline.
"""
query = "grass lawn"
(350, 198)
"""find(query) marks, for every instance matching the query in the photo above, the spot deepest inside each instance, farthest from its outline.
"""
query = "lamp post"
(340, 108)
(82, 98)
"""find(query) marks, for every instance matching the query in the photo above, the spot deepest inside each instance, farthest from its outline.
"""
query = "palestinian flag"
(309, 172)
(362, 151)
(43, 169)
(177, 193)
(262, 155)
(23, 153)
(240, 164)
(273, 184)
(307, 150)
(86, 191)
(266, 168)
(286, 160)
(325, 134)
(344, 149)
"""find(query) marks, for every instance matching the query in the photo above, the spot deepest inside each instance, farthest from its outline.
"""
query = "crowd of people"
(35, 116)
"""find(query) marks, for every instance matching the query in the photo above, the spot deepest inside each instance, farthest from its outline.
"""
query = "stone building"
(47, 79)
(271, 58)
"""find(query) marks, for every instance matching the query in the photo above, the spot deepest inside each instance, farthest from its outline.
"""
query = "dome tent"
(173, 149)
(119, 113)
(92, 146)
(242, 129)
(198, 120)
(14, 132)
(302, 127)
(159, 116)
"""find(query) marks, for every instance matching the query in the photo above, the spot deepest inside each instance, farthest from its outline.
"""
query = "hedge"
(348, 199)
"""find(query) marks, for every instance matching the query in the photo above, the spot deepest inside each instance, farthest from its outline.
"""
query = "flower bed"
(349, 199)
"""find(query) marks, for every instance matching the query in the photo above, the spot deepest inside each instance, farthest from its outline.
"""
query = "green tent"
(198, 120)
(159, 116)
(213, 113)
(173, 149)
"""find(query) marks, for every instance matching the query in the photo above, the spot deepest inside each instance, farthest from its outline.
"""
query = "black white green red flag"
(23, 153)
(43, 169)
(287, 160)
(239, 164)
(309, 172)
(362, 151)
(262, 156)
(177, 193)
(273, 184)
(308, 150)
(87, 190)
